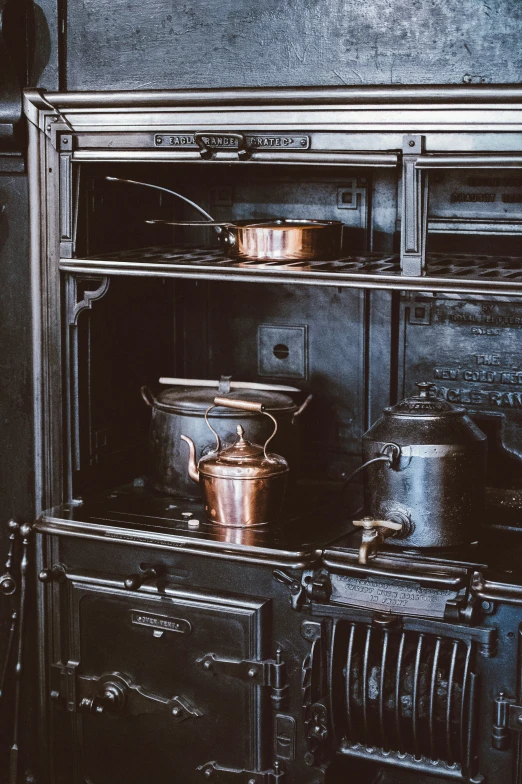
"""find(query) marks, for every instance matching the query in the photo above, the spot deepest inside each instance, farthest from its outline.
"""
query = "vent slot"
(404, 692)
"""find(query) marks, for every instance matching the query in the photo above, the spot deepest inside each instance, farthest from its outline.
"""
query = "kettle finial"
(424, 388)
(240, 431)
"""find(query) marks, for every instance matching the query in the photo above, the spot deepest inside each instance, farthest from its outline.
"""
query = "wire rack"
(460, 272)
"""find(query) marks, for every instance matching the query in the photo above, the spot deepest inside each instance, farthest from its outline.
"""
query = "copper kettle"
(242, 484)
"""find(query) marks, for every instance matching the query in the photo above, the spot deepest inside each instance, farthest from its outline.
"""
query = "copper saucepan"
(280, 239)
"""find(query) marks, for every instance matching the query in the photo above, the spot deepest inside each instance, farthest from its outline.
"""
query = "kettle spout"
(192, 466)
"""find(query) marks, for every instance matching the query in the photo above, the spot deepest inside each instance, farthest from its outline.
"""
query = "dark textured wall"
(173, 43)
(16, 426)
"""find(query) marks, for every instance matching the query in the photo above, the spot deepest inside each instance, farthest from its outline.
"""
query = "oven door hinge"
(507, 716)
(63, 684)
(270, 672)
(214, 772)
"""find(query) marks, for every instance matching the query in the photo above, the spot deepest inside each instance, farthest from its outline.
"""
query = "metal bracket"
(213, 771)
(414, 209)
(317, 734)
(295, 586)
(271, 672)
(507, 716)
(63, 685)
(74, 308)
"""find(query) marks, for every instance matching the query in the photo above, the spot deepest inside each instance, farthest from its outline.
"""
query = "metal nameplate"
(483, 196)
(166, 624)
(472, 352)
(259, 141)
(391, 596)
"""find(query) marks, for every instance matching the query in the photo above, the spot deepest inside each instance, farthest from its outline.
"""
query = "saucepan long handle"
(213, 224)
(209, 219)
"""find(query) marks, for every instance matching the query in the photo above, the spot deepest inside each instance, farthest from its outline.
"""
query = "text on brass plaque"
(179, 625)
(223, 142)
(390, 596)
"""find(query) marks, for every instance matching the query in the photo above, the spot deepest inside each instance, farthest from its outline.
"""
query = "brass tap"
(373, 535)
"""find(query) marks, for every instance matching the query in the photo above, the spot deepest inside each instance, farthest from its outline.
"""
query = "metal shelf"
(462, 273)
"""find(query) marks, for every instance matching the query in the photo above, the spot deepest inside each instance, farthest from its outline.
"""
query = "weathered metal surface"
(470, 350)
(435, 487)
(158, 44)
(15, 339)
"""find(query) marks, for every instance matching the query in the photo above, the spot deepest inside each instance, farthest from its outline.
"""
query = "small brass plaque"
(163, 622)
(276, 141)
(390, 596)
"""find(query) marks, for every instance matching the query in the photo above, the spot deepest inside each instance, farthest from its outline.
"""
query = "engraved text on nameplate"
(390, 596)
(186, 141)
(179, 625)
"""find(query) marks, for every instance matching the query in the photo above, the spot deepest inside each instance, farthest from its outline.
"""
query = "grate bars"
(406, 692)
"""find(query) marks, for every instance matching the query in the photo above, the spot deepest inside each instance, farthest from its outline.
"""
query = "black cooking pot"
(181, 411)
(434, 484)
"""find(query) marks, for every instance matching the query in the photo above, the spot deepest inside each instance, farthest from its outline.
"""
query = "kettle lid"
(422, 405)
(242, 460)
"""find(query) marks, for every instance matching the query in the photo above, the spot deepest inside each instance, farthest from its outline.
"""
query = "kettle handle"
(241, 405)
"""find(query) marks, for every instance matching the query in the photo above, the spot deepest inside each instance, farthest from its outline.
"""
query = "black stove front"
(282, 664)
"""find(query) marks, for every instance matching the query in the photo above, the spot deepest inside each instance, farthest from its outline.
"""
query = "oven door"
(156, 686)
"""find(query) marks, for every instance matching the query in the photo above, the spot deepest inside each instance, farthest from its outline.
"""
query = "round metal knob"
(55, 574)
(111, 699)
(7, 585)
(424, 388)
(133, 582)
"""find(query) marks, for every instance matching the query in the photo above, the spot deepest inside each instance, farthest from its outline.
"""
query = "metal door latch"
(214, 772)
(270, 672)
(294, 585)
(507, 716)
(114, 693)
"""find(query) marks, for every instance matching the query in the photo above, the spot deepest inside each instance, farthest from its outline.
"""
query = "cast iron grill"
(403, 692)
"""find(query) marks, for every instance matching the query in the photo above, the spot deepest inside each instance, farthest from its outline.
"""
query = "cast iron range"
(405, 664)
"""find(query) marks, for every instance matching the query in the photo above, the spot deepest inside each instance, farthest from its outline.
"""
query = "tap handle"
(374, 532)
(369, 524)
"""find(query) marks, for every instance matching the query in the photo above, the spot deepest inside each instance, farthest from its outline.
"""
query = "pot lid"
(288, 223)
(242, 460)
(422, 405)
(196, 400)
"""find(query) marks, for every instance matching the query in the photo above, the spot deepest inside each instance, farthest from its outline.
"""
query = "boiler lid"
(422, 405)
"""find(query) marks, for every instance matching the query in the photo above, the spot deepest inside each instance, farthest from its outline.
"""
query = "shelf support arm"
(414, 209)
